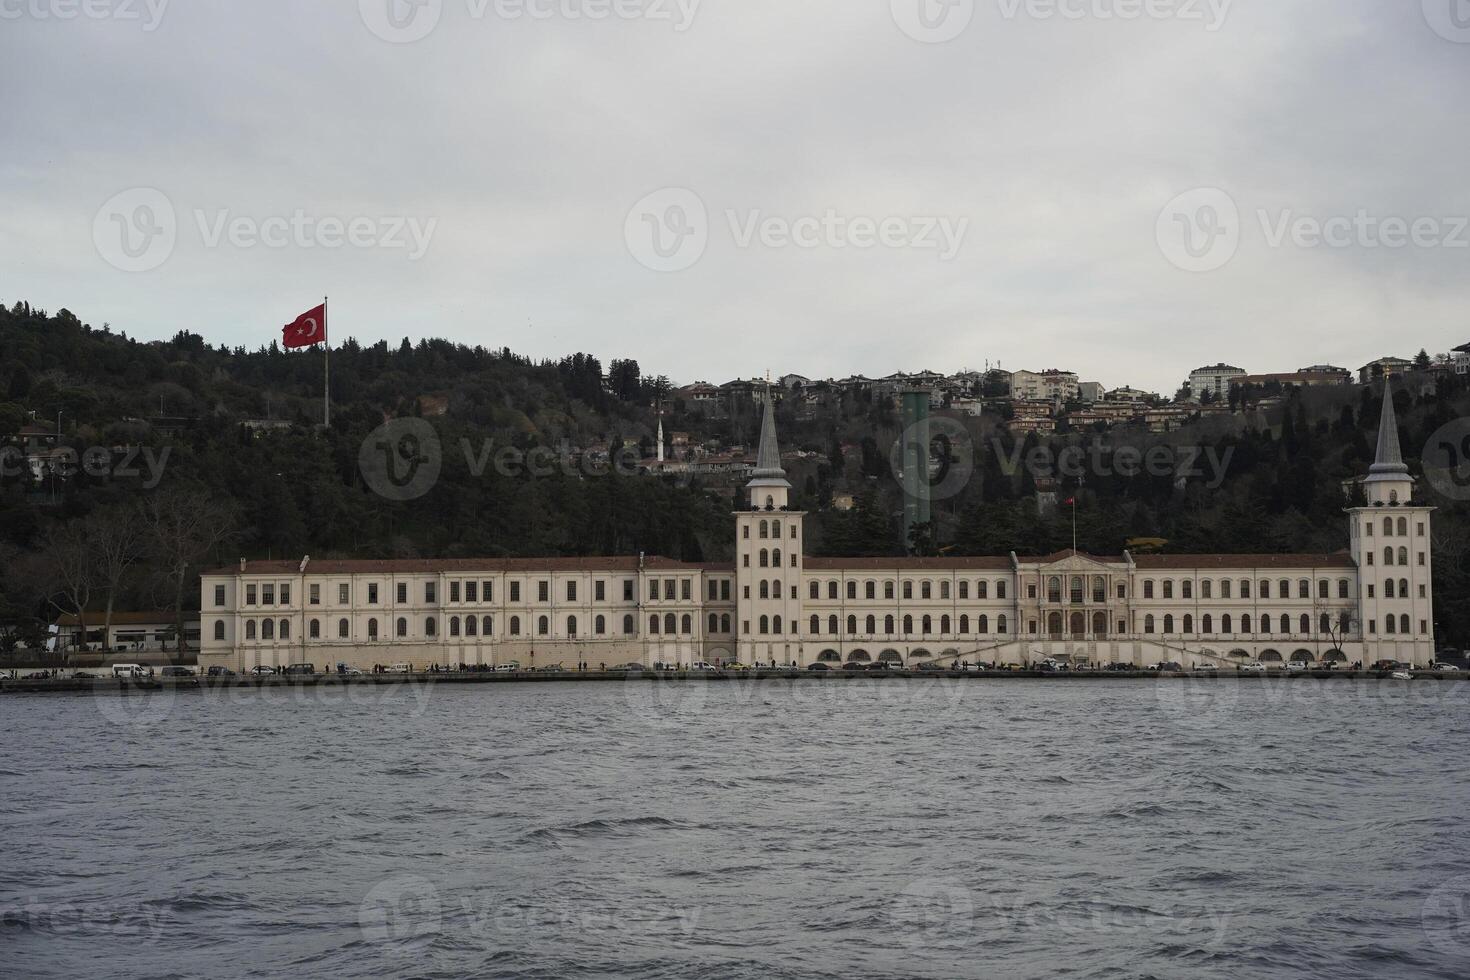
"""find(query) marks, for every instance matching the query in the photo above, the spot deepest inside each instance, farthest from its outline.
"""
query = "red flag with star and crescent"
(309, 329)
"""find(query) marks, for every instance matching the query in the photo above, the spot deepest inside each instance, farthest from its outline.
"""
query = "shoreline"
(128, 685)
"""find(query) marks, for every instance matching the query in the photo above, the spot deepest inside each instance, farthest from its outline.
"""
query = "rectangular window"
(600, 591)
(1000, 590)
(454, 591)
(402, 593)
(372, 593)
(571, 592)
(668, 588)
(725, 590)
(1421, 558)
(627, 590)
(684, 589)
(1370, 591)
(431, 592)
(714, 590)
(1372, 626)
(543, 591)
(487, 591)
(344, 594)
(285, 594)
(316, 595)
(267, 595)
(1423, 626)
(219, 595)
(472, 592)
(653, 589)
(515, 592)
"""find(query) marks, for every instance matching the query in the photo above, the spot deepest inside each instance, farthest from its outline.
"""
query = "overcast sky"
(980, 182)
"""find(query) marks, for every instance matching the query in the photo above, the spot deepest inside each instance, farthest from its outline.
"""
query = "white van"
(131, 670)
(399, 669)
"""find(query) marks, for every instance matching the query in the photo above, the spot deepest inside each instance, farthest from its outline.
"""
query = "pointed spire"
(768, 456)
(1390, 458)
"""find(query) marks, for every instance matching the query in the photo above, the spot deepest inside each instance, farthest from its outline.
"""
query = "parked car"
(966, 667)
(628, 668)
(509, 667)
(217, 671)
(300, 670)
(347, 670)
(1444, 667)
(1297, 667)
(399, 669)
(1206, 669)
(178, 672)
(131, 670)
(854, 665)
(552, 669)
(737, 666)
(262, 670)
(82, 675)
(1252, 667)
(928, 668)
(819, 668)
(700, 666)
(1120, 668)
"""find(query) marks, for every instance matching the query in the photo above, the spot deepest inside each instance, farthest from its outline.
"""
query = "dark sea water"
(923, 828)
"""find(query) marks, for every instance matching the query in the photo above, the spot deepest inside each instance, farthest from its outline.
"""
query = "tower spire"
(769, 475)
(1390, 458)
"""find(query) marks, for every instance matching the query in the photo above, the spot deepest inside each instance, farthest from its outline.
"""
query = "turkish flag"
(309, 329)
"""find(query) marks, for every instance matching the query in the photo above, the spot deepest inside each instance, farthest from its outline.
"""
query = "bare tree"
(117, 540)
(70, 570)
(184, 527)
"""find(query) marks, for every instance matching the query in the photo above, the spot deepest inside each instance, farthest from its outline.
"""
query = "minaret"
(660, 434)
(768, 550)
(1392, 547)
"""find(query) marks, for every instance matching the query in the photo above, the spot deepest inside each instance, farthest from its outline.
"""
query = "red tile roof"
(432, 566)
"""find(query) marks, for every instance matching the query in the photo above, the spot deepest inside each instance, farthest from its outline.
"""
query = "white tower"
(768, 558)
(660, 435)
(1392, 546)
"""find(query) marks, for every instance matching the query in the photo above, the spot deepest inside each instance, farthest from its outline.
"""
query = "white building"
(1053, 386)
(1214, 380)
(773, 603)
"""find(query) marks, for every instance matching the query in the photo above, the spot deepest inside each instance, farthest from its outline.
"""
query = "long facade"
(775, 605)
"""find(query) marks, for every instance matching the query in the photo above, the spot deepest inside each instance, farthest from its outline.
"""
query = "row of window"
(1228, 623)
(268, 629)
(773, 624)
(770, 529)
(1402, 554)
(1388, 527)
(926, 589)
(1263, 589)
(460, 590)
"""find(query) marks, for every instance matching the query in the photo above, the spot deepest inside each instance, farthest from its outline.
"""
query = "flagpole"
(326, 368)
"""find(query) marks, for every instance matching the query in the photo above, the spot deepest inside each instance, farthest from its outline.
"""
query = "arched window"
(888, 625)
(765, 624)
(908, 590)
(944, 590)
(599, 625)
(453, 626)
(471, 626)
(887, 590)
(1225, 588)
(400, 628)
(487, 625)
(816, 625)
(964, 589)
(1404, 625)
(943, 625)
(1324, 624)
(628, 626)
(1388, 588)
(686, 625)
(1054, 589)
(249, 629)
(1245, 589)
(964, 625)
(1265, 590)
(1388, 625)
(1187, 590)
(765, 558)
(268, 629)
(1388, 556)
(1403, 588)
(653, 624)
(1100, 624)
(776, 625)
(927, 623)
(1207, 624)
(852, 626)
(431, 626)
(776, 530)
(1404, 556)
(926, 590)
(1000, 625)
(872, 625)
(983, 625)
(1188, 624)
(1403, 527)
(1265, 624)
(1285, 623)
(1306, 625)
(776, 558)
(908, 626)
(982, 590)
(765, 589)
(314, 628)
(1206, 589)
(831, 590)
(1168, 590)
(765, 529)
(571, 626)
(669, 623)
(870, 589)
(1099, 589)
(1387, 526)
(543, 626)
(372, 629)
(343, 630)
(714, 622)
(832, 625)
(1168, 624)
(1148, 623)
(852, 590)
(219, 629)
(725, 623)
(1225, 624)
